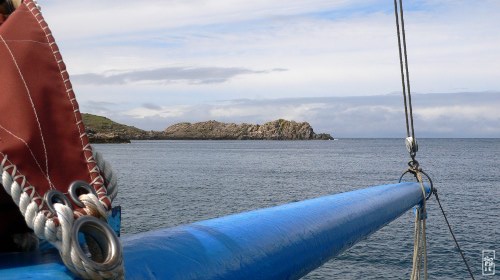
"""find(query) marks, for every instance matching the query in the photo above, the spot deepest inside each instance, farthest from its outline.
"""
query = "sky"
(333, 63)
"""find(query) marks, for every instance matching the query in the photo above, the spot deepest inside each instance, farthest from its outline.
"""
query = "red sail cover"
(41, 129)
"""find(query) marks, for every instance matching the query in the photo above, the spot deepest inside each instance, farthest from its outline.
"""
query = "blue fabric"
(283, 242)
(115, 219)
(34, 265)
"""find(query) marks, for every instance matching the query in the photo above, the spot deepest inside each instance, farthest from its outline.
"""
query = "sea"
(169, 183)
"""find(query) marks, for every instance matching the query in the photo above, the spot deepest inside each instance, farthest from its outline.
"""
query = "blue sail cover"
(283, 242)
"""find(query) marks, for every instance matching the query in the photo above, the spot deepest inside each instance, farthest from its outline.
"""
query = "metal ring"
(78, 188)
(428, 178)
(54, 196)
(102, 243)
(402, 175)
(430, 182)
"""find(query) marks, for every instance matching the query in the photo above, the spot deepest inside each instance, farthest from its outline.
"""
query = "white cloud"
(127, 16)
(329, 48)
(451, 44)
(469, 115)
(165, 75)
(352, 51)
(269, 111)
(467, 112)
(161, 112)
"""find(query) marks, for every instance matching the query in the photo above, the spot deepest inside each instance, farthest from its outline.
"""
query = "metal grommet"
(101, 249)
(78, 188)
(54, 196)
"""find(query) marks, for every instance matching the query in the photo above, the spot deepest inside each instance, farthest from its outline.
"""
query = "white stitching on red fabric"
(24, 41)
(47, 175)
(27, 146)
(24, 181)
(98, 180)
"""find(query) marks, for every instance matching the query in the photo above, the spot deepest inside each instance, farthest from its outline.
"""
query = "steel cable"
(453, 235)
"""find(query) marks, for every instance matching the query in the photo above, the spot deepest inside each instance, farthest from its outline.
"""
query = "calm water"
(168, 183)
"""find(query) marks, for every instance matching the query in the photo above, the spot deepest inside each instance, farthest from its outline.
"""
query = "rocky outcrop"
(107, 138)
(103, 130)
(274, 130)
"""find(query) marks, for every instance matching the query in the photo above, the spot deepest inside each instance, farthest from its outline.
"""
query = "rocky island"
(103, 130)
(274, 130)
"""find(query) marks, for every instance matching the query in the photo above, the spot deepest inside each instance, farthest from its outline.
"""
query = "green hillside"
(97, 124)
(103, 130)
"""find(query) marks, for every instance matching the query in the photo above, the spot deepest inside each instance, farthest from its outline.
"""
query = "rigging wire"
(411, 144)
(453, 235)
(406, 67)
(402, 67)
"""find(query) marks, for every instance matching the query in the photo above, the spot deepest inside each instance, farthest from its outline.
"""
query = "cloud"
(159, 112)
(151, 106)
(330, 48)
(245, 109)
(485, 112)
(191, 75)
(436, 115)
(132, 16)
(104, 108)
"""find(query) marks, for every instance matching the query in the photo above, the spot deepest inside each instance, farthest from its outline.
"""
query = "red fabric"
(40, 125)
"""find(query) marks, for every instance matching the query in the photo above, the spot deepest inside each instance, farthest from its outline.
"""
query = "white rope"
(109, 174)
(420, 243)
(42, 223)
(31, 204)
(93, 206)
(67, 249)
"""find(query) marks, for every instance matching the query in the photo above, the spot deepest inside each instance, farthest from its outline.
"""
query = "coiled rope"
(51, 217)
(57, 227)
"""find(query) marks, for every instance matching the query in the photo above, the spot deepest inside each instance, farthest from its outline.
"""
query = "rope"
(79, 266)
(420, 243)
(58, 225)
(420, 227)
(109, 175)
(420, 238)
(453, 235)
(58, 233)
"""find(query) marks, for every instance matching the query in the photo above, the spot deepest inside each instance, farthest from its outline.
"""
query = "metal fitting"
(78, 188)
(101, 249)
(54, 196)
(411, 146)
